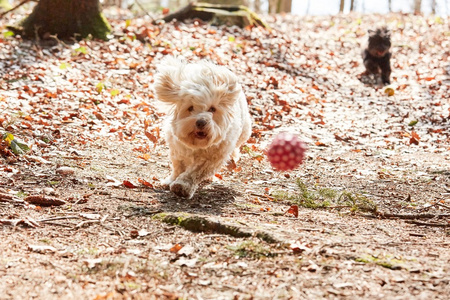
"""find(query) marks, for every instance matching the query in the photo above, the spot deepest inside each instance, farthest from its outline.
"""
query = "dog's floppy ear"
(228, 87)
(168, 79)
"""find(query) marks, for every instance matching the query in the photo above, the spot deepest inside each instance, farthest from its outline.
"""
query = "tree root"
(218, 14)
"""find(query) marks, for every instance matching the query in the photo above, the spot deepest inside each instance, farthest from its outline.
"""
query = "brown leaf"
(293, 210)
(44, 200)
(320, 144)
(146, 124)
(146, 183)
(414, 138)
(151, 137)
(176, 248)
(128, 184)
(145, 156)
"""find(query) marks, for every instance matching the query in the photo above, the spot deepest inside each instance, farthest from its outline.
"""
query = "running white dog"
(207, 123)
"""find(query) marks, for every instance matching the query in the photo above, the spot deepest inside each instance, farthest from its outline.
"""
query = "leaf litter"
(87, 113)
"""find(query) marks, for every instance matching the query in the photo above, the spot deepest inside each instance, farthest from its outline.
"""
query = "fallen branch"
(428, 224)
(197, 223)
(26, 221)
(10, 199)
(409, 216)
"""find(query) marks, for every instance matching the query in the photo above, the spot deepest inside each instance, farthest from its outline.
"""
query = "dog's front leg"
(187, 182)
(385, 66)
(177, 168)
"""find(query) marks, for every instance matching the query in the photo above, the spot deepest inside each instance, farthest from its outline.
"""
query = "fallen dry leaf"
(43, 200)
(129, 184)
(293, 210)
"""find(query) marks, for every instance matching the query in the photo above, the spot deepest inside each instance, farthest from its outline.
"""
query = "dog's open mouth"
(200, 135)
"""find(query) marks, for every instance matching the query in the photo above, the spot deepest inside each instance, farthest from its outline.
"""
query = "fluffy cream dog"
(207, 123)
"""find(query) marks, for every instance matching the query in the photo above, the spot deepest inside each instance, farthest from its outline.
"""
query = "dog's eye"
(212, 109)
(191, 108)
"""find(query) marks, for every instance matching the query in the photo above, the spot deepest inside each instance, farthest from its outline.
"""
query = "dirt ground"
(373, 194)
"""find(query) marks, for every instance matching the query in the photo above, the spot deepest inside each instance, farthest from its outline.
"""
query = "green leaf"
(8, 34)
(82, 50)
(18, 147)
(100, 86)
(64, 66)
(114, 92)
(231, 38)
(8, 137)
(413, 122)
(127, 23)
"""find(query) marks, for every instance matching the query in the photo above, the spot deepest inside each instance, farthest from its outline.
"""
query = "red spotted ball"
(286, 152)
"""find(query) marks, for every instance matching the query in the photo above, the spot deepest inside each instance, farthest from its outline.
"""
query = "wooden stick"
(14, 8)
(58, 218)
(428, 224)
(411, 216)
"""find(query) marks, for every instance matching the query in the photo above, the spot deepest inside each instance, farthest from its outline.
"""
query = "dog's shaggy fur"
(376, 55)
(207, 123)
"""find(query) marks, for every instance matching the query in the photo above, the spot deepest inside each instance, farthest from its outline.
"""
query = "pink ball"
(286, 152)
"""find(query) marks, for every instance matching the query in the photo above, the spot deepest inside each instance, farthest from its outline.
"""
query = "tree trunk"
(417, 6)
(66, 19)
(227, 2)
(390, 5)
(273, 6)
(257, 6)
(352, 5)
(433, 7)
(284, 6)
(341, 6)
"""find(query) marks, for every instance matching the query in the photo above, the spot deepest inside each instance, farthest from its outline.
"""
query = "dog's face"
(379, 42)
(201, 96)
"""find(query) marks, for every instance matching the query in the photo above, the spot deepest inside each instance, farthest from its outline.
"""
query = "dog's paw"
(167, 181)
(182, 189)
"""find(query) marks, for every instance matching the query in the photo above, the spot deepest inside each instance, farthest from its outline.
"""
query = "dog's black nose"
(201, 123)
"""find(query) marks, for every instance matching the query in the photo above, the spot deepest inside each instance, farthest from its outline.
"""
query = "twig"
(410, 216)
(428, 224)
(14, 8)
(10, 198)
(58, 218)
(262, 196)
(81, 224)
(443, 205)
(337, 207)
(417, 234)
(58, 224)
(144, 10)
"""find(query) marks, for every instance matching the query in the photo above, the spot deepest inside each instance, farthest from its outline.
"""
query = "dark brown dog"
(376, 55)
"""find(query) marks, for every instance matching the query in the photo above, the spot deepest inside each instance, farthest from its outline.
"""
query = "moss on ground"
(323, 197)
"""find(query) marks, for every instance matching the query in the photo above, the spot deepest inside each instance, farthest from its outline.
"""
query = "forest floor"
(373, 194)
